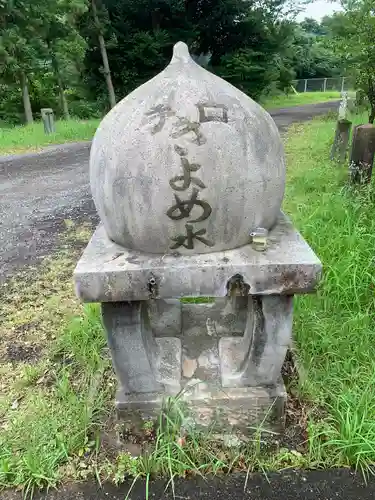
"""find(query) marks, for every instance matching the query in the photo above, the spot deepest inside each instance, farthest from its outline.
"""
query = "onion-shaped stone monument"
(187, 175)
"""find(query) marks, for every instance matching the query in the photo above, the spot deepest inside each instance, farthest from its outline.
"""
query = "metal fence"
(340, 84)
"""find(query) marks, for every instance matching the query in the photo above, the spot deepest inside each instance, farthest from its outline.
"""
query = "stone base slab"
(231, 410)
(108, 272)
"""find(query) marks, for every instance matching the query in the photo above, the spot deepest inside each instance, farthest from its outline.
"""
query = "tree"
(35, 35)
(103, 50)
(313, 54)
(57, 30)
(354, 32)
(19, 48)
(243, 41)
(312, 26)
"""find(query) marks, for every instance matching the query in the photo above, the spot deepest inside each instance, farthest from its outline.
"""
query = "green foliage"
(242, 41)
(313, 56)
(287, 100)
(62, 420)
(54, 430)
(39, 47)
(335, 328)
(354, 32)
(247, 70)
(312, 27)
(55, 52)
(32, 137)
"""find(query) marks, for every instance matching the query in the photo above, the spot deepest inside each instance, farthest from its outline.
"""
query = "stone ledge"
(108, 272)
(234, 409)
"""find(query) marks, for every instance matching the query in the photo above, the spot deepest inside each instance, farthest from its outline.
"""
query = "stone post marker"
(186, 172)
(341, 141)
(48, 120)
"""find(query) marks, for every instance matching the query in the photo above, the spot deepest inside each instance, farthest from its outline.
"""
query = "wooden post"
(362, 154)
(341, 141)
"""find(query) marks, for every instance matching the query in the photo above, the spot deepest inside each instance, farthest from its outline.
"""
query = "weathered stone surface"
(188, 367)
(166, 317)
(223, 410)
(344, 105)
(107, 272)
(219, 318)
(142, 363)
(186, 163)
(231, 381)
(188, 175)
(257, 357)
(174, 318)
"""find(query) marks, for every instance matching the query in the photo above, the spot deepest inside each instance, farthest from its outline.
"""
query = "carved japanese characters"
(186, 164)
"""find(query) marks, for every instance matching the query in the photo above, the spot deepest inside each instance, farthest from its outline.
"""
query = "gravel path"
(39, 191)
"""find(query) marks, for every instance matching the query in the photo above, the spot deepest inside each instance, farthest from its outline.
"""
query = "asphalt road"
(332, 484)
(38, 191)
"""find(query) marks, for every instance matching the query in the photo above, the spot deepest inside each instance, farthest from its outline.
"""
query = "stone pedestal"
(223, 357)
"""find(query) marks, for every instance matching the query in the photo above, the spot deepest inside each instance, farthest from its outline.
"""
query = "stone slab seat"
(108, 272)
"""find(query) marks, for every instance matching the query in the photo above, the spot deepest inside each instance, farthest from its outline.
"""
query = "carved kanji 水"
(187, 240)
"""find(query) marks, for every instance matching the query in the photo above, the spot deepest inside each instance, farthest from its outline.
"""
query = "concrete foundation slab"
(237, 410)
(108, 272)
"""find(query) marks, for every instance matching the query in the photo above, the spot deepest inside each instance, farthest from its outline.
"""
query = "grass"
(56, 405)
(175, 454)
(56, 409)
(339, 369)
(53, 396)
(335, 329)
(286, 101)
(57, 385)
(25, 138)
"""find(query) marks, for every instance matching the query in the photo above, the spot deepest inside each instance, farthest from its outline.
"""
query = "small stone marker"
(342, 135)
(341, 141)
(362, 154)
(344, 106)
(183, 171)
(48, 120)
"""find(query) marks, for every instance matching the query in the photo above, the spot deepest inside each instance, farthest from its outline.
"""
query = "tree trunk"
(103, 50)
(371, 98)
(371, 118)
(362, 154)
(26, 99)
(63, 100)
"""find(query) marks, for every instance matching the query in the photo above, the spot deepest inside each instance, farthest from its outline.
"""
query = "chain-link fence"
(340, 84)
